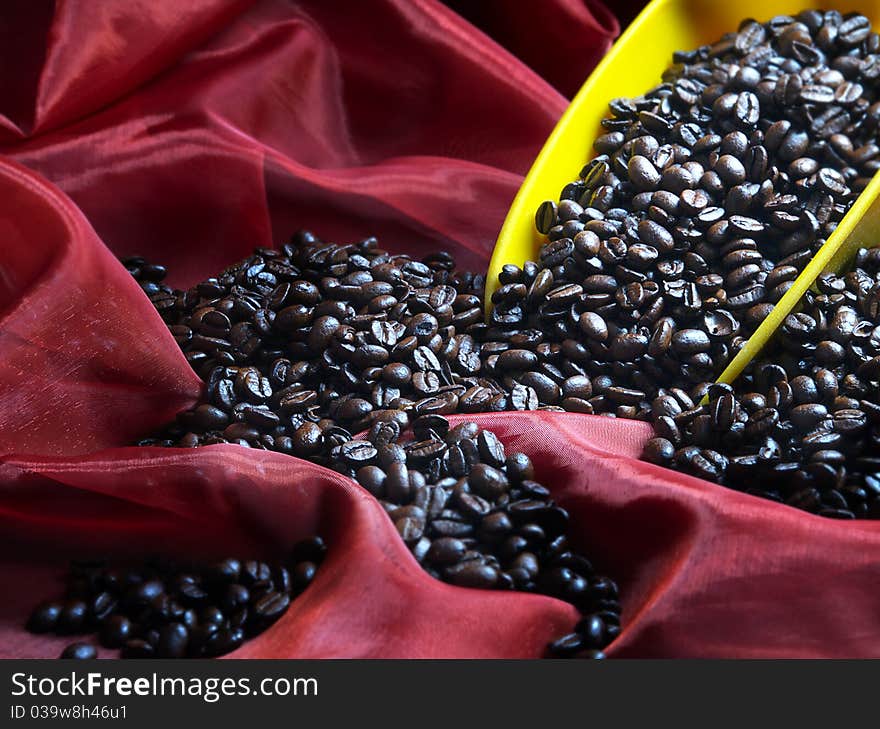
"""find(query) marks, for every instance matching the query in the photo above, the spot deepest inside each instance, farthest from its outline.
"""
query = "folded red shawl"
(191, 133)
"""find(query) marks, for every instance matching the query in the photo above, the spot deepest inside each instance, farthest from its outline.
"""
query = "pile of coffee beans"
(802, 426)
(472, 515)
(304, 347)
(163, 609)
(708, 196)
(320, 332)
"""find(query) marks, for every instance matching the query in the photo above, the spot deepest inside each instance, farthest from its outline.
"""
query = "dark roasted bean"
(472, 574)
(690, 341)
(545, 217)
(643, 173)
(172, 641)
(659, 450)
(446, 551)
(115, 631)
(72, 618)
(270, 606)
(150, 622)
(44, 618)
(79, 651)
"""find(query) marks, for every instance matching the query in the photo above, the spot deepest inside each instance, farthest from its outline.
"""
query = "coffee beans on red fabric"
(166, 609)
(706, 198)
(470, 514)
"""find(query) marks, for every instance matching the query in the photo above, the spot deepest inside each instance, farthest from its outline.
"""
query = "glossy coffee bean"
(79, 651)
(270, 606)
(303, 574)
(115, 631)
(659, 450)
(73, 617)
(472, 574)
(172, 641)
(44, 618)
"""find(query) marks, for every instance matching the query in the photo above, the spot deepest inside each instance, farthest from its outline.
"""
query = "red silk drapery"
(191, 135)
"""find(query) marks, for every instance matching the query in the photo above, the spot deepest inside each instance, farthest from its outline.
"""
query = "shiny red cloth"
(192, 132)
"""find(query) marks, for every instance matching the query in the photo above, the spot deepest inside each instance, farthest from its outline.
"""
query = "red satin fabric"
(192, 134)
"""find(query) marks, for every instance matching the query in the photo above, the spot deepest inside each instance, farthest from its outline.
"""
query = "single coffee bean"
(472, 574)
(115, 631)
(690, 341)
(659, 450)
(303, 574)
(642, 173)
(44, 618)
(172, 641)
(593, 326)
(79, 651)
(567, 645)
(72, 618)
(270, 606)
(545, 217)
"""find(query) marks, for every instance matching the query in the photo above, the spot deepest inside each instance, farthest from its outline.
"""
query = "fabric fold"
(191, 135)
(85, 360)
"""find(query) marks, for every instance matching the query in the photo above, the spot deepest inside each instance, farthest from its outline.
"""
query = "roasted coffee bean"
(577, 386)
(73, 617)
(101, 606)
(516, 359)
(853, 30)
(137, 648)
(358, 452)
(659, 450)
(730, 170)
(397, 483)
(593, 326)
(313, 549)
(642, 172)
(545, 217)
(372, 478)
(115, 631)
(303, 574)
(567, 645)
(79, 651)
(593, 630)
(44, 618)
(270, 606)
(224, 640)
(806, 416)
(690, 341)
(225, 572)
(491, 449)
(655, 235)
(172, 641)
(446, 550)
(545, 388)
(472, 574)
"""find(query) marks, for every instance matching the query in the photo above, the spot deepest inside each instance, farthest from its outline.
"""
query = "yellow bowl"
(633, 66)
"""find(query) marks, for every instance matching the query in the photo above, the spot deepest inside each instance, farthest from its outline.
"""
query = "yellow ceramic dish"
(634, 65)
